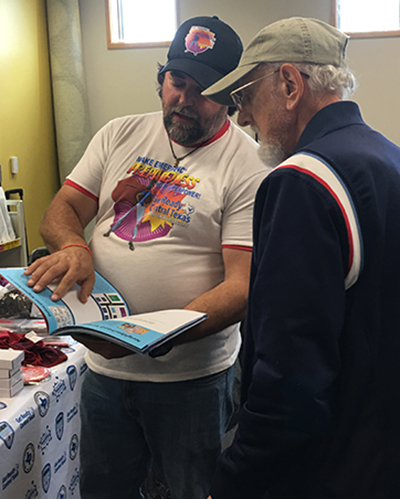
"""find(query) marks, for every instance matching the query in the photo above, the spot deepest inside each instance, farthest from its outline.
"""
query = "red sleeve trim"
(80, 189)
(234, 246)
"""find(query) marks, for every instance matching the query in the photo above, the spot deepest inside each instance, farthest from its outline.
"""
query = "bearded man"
(173, 206)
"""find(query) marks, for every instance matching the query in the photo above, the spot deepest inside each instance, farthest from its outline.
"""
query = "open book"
(105, 315)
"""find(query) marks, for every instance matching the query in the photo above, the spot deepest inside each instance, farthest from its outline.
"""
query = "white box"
(9, 382)
(8, 373)
(9, 359)
(10, 392)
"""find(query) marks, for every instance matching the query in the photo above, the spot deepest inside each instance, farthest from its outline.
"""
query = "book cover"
(105, 315)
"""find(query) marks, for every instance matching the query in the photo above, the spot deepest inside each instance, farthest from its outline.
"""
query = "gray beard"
(200, 130)
(186, 135)
(272, 154)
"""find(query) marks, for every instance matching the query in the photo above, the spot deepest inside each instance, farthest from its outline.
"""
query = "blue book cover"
(105, 315)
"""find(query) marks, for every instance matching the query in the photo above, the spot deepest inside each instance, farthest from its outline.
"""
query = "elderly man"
(321, 383)
(173, 207)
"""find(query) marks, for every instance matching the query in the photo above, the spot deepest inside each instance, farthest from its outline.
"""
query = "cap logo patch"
(199, 39)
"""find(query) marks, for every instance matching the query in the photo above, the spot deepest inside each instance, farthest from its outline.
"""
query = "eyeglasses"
(237, 94)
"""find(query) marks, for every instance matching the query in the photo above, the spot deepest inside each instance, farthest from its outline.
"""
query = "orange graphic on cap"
(199, 39)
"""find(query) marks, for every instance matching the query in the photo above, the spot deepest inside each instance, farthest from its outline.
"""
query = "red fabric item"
(36, 354)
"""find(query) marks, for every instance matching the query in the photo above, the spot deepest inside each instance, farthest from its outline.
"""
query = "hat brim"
(203, 74)
(220, 91)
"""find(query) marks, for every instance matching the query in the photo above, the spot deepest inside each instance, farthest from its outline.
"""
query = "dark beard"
(186, 135)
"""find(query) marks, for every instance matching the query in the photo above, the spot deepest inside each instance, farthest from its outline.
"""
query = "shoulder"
(241, 137)
(239, 151)
(133, 121)
(122, 128)
(312, 170)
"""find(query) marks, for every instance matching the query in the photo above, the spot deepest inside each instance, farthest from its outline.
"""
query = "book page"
(164, 321)
(105, 302)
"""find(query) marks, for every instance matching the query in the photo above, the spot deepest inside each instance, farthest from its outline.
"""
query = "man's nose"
(186, 97)
(245, 118)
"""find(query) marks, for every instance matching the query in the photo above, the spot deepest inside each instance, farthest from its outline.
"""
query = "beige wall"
(123, 81)
(26, 117)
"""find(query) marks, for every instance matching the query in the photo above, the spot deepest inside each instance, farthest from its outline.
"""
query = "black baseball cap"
(204, 48)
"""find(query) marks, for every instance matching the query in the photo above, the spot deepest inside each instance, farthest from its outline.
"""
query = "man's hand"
(66, 267)
(105, 348)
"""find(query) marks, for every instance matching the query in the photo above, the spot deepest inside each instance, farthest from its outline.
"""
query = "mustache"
(184, 111)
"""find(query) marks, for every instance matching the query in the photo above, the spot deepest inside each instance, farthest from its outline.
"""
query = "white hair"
(325, 78)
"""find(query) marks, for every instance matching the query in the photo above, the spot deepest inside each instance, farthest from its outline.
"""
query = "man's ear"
(293, 85)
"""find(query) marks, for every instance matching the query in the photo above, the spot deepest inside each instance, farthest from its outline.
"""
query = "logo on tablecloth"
(32, 493)
(10, 476)
(72, 412)
(28, 458)
(72, 376)
(44, 440)
(59, 388)
(73, 446)
(46, 477)
(60, 425)
(6, 434)
(62, 493)
(60, 462)
(83, 369)
(74, 482)
(42, 400)
(26, 417)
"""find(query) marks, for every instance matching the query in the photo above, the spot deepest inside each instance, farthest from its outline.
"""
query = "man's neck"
(223, 129)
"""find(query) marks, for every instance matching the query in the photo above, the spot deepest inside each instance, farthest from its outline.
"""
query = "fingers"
(83, 276)
(47, 270)
(86, 288)
(36, 264)
(66, 267)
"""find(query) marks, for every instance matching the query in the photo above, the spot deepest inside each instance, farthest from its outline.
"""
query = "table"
(40, 434)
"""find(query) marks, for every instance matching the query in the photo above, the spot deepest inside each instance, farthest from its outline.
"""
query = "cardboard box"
(10, 359)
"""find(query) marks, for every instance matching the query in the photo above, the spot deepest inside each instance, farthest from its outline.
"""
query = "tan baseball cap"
(296, 39)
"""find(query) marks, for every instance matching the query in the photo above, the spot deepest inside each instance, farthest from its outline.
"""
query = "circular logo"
(199, 39)
(73, 446)
(28, 459)
(42, 400)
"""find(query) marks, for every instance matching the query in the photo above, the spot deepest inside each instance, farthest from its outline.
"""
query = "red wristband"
(79, 246)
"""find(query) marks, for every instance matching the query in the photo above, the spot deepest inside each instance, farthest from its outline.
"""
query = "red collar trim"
(218, 135)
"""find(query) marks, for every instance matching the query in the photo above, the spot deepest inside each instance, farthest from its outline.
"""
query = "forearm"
(225, 305)
(62, 224)
(67, 229)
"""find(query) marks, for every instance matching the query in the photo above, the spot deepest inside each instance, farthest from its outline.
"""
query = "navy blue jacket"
(321, 374)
